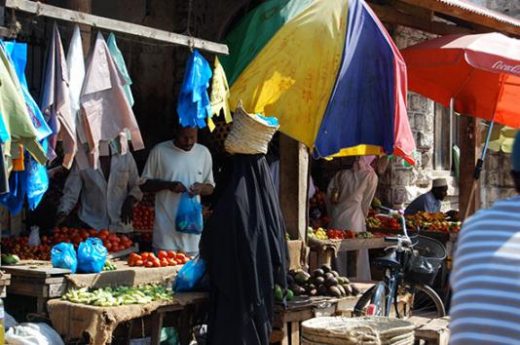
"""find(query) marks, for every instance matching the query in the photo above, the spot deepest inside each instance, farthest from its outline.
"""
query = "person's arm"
(208, 186)
(71, 192)
(151, 181)
(369, 193)
(156, 185)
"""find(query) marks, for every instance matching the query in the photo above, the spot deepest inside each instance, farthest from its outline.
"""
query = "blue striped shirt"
(485, 280)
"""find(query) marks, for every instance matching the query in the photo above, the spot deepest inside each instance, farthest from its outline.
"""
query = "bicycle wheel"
(372, 302)
(427, 303)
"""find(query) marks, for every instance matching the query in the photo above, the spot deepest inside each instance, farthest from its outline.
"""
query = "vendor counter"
(38, 279)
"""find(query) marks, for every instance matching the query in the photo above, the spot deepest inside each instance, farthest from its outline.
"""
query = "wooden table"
(37, 281)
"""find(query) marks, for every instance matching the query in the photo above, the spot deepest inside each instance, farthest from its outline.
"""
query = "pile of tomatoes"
(19, 246)
(163, 259)
(144, 214)
(336, 234)
(112, 242)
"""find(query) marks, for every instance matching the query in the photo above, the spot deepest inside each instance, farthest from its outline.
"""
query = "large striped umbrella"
(328, 70)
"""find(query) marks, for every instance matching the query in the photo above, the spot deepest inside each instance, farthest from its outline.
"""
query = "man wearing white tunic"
(349, 195)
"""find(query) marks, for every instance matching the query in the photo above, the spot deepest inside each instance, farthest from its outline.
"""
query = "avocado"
(348, 289)
(301, 277)
(322, 290)
(318, 273)
(313, 292)
(336, 274)
(334, 291)
(326, 268)
(295, 288)
(331, 281)
(319, 280)
(341, 290)
(328, 275)
(278, 293)
(345, 280)
(289, 295)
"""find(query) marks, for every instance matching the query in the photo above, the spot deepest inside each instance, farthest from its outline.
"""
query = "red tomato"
(139, 263)
(156, 263)
(172, 254)
(162, 254)
(148, 264)
(145, 255)
(164, 262)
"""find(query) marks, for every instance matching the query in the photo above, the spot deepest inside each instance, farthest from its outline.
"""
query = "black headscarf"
(246, 252)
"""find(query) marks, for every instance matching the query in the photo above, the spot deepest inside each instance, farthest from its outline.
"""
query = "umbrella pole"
(478, 168)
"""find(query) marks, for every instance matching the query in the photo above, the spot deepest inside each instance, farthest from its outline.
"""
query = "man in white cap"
(431, 201)
(485, 307)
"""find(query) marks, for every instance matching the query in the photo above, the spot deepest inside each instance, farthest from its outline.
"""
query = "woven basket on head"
(367, 330)
(248, 134)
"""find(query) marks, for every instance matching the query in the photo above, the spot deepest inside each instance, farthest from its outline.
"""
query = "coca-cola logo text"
(501, 66)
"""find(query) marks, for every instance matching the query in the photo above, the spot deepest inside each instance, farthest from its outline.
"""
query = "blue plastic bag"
(189, 215)
(63, 255)
(92, 255)
(194, 105)
(190, 274)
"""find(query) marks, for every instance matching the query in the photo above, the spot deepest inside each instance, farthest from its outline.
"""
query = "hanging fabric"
(56, 100)
(121, 66)
(36, 181)
(219, 95)
(106, 113)
(16, 123)
(194, 107)
(76, 70)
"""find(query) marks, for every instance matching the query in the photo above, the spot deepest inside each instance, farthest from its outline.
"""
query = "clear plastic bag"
(189, 215)
(63, 255)
(92, 256)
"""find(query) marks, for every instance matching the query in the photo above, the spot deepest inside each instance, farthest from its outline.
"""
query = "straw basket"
(366, 330)
(249, 134)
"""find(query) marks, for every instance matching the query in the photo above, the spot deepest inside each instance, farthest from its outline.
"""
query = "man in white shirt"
(175, 167)
(106, 194)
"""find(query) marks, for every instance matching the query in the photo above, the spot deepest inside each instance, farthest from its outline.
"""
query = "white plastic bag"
(9, 321)
(34, 236)
(32, 334)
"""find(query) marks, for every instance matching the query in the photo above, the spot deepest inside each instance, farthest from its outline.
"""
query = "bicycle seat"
(388, 261)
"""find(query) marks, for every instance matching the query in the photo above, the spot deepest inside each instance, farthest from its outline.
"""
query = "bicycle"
(410, 266)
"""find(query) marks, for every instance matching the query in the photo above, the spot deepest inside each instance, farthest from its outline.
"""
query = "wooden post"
(84, 6)
(469, 134)
(294, 166)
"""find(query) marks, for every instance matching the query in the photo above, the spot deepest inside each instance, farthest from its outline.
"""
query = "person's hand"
(126, 210)
(61, 218)
(177, 187)
(453, 215)
(195, 189)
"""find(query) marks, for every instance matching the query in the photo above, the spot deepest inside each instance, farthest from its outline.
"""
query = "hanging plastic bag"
(92, 256)
(34, 237)
(37, 182)
(63, 255)
(194, 106)
(189, 215)
(190, 274)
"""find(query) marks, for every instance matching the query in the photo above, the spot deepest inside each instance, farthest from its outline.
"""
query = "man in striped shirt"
(486, 273)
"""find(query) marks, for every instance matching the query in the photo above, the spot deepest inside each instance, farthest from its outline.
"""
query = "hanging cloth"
(219, 95)
(194, 107)
(106, 113)
(121, 66)
(37, 180)
(16, 122)
(76, 70)
(56, 100)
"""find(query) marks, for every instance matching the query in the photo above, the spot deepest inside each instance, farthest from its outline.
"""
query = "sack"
(189, 215)
(63, 255)
(33, 334)
(189, 275)
(92, 256)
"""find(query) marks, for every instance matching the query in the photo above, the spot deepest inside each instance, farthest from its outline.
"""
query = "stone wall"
(401, 183)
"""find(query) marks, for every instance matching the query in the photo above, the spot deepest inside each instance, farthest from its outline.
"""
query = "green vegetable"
(123, 295)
